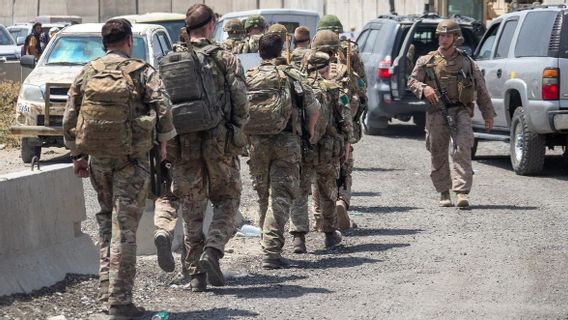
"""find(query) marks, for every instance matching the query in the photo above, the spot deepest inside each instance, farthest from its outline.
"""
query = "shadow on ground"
(362, 232)
(280, 291)
(347, 262)
(502, 207)
(375, 169)
(381, 210)
(555, 166)
(217, 313)
(365, 194)
(263, 279)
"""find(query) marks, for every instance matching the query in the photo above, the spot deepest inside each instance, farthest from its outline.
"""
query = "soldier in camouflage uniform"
(281, 31)
(349, 56)
(209, 168)
(236, 31)
(328, 42)
(321, 164)
(460, 76)
(254, 27)
(120, 181)
(302, 47)
(275, 159)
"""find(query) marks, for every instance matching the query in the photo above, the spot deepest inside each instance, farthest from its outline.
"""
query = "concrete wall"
(40, 229)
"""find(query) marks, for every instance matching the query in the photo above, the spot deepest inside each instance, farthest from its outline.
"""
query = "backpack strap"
(98, 65)
(209, 49)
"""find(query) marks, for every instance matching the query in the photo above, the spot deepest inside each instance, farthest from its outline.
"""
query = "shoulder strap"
(98, 65)
(133, 65)
(208, 49)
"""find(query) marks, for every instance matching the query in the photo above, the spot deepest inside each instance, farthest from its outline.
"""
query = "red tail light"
(550, 88)
(383, 72)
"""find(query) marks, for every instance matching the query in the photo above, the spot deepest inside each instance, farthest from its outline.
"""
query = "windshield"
(78, 50)
(173, 28)
(18, 32)
(5, 37)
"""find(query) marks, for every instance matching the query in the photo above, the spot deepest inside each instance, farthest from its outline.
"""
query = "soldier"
(302, 47)
(275, 153)
(120, 91)
(455, 72)
(209, 168)
(321, 163)
(327, 41)
(254, 27)
(236, 31)
(281, 31)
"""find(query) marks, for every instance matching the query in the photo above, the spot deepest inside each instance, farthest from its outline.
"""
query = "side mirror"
(20, 41)
(28, 61)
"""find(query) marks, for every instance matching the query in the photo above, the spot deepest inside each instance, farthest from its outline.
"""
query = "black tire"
(474, 149)
(377, 131)
(29, 151)
(527, 147)
(419, 120)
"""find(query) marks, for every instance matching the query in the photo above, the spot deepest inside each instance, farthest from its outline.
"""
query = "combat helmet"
(330, 22)
(234, 26)
(279, 29)
(448, 26)
(256, 21)
(326, 40)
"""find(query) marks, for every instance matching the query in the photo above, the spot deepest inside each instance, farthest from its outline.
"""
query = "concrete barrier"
(40, 229)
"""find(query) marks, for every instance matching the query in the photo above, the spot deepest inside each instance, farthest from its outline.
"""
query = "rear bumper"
(558, 120)
(36, 131)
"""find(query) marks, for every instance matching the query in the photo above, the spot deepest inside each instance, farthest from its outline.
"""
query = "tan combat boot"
(209, 262)
(461, 200)
(343, 221)
(445, 200)
(299, 242)
(332, 239)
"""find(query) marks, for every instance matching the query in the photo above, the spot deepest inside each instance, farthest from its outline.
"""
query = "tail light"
(383, 72)
(550, 79)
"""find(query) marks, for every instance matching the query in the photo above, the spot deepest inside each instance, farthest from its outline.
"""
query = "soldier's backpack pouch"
(189, 82)
(106, 118)
(270, 102)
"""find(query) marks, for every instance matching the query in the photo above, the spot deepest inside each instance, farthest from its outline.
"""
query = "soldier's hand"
(488, 124)
(81, 168)
(430, 95)
(163, 150)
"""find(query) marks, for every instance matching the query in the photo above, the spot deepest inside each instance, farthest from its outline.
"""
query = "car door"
(399, 65)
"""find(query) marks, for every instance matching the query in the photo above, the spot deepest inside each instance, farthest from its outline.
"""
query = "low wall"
(40, 229)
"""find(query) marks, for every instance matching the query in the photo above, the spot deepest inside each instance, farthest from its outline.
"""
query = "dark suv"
(389, 47)
(524, 58)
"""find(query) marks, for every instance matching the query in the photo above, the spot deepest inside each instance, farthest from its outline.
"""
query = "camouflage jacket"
(418, 81)
(357, 65)
(148, 84)
(251, 44)
(299, 57)
(234, 45)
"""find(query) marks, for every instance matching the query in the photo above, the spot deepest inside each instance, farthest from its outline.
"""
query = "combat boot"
(103, 294)
(332, 239)
(445, 200)
(125, 312)
(343, 221)
(461, 200)
(209, 262)
(299, 242)
(164, 251)
(198, 282)
(318, 223)
(274, 263)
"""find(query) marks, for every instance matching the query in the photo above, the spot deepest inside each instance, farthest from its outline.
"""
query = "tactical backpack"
(188, 79)
(106, 123)
(322, 90)
(270, 100)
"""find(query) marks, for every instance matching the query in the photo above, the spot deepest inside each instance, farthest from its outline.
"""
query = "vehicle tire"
(527, 147)
(29, 151)
(420, 120)
(370, 131)
(474, 149)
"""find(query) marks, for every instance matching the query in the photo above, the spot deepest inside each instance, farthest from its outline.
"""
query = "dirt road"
(505, 258)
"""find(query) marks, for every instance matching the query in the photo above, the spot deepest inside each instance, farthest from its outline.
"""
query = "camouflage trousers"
(275, 169)
(438, 142)
(206, 173)
(345, 190)
(165, 214)
(320, 168)
(121, 187)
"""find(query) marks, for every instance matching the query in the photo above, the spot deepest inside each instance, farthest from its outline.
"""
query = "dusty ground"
(506, 258)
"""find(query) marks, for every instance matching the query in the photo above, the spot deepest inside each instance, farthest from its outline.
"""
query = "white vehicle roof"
(269, 12)
(153, 16)
(139, 28)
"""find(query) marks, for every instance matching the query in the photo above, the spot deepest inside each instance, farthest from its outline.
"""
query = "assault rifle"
(341, 179)
(443, 102)
(155, 170)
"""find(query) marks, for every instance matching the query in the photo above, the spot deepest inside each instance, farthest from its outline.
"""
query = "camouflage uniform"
(299, 57)
(209, 167)
(437, 132)
(251, 41)
(275, 169)
(121, 183)
(235, 43)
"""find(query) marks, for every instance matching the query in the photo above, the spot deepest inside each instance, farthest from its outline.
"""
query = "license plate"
(561, 122)
(23, 108)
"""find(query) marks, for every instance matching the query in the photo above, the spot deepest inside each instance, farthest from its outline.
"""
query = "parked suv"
(389, 47)
(42, 98)
(524, 57)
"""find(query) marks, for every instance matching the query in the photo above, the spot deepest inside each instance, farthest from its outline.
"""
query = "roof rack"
(522, 7)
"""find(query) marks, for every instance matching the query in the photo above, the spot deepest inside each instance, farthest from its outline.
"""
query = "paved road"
(506, 258)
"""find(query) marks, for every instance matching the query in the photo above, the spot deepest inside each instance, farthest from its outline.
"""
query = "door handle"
(499, 73)
(483, 72)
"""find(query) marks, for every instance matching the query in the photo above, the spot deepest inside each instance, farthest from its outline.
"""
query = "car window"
(370, 43)
(5, 37)
(378, 45)
(534, 36)
(18, 32)
(362, 39)
(173, 28)
(158, 51)
(487, 45)
(505, 40)
(76, 49)
(164, 42)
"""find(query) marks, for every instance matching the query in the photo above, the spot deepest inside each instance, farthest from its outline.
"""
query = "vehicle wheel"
(420, 120)
(527, 147)
(474, 149)
(28, 151)
(383, 126)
